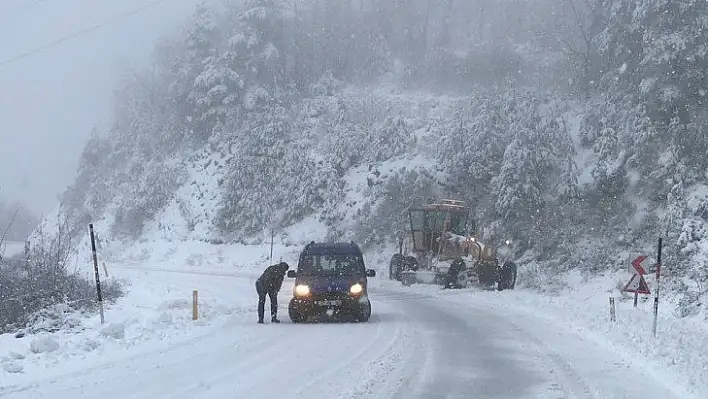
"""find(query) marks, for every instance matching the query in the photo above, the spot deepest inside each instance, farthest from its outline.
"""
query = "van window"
(330, 264)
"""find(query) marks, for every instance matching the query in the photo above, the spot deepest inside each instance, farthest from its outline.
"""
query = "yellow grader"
(445, 249)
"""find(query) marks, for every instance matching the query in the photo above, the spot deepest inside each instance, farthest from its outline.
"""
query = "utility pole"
(656, 296)
(95, 268)
(272, 238)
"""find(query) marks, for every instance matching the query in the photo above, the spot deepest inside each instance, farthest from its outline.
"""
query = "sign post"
(656, 296)
(95, 269)
(272, 238)
(195, 305)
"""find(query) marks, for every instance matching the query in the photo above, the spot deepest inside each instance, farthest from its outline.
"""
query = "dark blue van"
(331, 279)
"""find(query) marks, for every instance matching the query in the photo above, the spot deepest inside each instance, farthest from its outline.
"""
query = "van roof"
(314, 248)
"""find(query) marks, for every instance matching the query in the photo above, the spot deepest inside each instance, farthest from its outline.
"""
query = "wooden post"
(195, 305)
(612, 309)
(272, 238)
(95, 268)
(656, 297)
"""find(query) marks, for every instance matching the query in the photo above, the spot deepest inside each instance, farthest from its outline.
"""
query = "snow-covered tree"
(216, 95)
(518, 188)
(393, 138)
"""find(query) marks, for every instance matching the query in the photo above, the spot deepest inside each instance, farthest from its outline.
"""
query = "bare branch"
(7, 229)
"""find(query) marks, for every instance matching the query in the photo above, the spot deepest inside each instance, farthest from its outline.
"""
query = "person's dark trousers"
(261, 302)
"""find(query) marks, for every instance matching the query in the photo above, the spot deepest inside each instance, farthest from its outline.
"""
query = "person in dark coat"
(269, 284)
(507, 279)
(453, 273)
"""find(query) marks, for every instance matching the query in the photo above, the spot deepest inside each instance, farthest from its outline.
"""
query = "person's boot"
(260, 321)
(275, 320)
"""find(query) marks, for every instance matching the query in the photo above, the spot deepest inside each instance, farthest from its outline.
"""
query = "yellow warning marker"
(195, 305)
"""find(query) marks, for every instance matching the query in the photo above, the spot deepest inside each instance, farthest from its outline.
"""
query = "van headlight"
(302, 290)
(356, 289)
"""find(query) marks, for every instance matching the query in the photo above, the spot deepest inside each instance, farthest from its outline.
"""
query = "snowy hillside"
(259, 116)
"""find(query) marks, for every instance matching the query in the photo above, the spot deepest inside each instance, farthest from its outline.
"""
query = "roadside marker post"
(612, 309)
(195, 305)
(95, 269)
(656, 295)
(272, 239)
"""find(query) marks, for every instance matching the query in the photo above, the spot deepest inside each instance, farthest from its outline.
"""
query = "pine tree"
(262, 44)
(390, 140)
(215, 96)
(518, 188)
(675, 56)
(609, 172)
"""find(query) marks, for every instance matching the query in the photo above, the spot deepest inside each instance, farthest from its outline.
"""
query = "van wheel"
(364, 314)
(295, 316)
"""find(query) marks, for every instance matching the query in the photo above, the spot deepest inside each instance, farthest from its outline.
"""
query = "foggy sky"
(50, 101)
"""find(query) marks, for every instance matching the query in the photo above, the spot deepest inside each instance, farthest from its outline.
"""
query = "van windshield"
(330, 264)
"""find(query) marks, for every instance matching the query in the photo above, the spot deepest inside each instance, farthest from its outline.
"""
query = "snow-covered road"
(416, 345)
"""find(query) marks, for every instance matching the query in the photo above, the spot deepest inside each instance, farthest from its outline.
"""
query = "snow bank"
(43, 345)
(115, 330)
(155, 313)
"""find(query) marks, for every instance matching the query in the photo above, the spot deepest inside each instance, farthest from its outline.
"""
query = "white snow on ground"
(153, 325)
(156, 312)
(155, 318)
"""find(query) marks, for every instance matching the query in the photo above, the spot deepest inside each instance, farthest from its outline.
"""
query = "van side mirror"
(292, 273)
(371, 273)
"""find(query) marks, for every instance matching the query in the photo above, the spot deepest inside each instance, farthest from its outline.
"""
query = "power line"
(82, 32)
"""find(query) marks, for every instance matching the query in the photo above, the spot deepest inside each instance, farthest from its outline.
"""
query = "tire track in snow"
(287, 353)
(575, 365)
(405, 364)
(334, 375)
(357, 360)
(478, 354)
(373, 365)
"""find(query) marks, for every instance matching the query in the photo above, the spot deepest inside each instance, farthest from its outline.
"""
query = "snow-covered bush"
(39, 291)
